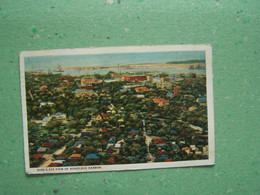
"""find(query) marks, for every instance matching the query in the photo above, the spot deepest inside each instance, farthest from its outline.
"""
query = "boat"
(58, 69)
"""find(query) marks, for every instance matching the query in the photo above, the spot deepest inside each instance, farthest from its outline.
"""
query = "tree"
(98, 76)
(33, 127)
(53, 124)
(108, 76)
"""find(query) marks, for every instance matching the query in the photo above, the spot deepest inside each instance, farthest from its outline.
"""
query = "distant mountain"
(186, 62)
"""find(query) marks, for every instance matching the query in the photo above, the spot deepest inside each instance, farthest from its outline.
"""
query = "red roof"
(86, 87)
(170, 160)
(64, 78)
(44, 87)
(47, 144)
(158, 140)
(111, 160)
(37, 156)
(75, 156)
(55, 165)
(141, 89)
(88, 80)
(104, 130)
(159, 100)
(184, 133)
(162, 152)
(186, 148)
(135, 78)
(104, 115)
(53, 138)
(62, 155)
(133, 133)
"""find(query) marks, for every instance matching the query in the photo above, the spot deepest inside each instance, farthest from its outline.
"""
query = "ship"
(58, 69)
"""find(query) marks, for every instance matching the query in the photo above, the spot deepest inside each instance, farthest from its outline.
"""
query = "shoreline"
(135, 66)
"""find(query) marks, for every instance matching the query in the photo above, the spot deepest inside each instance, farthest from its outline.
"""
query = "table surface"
(231, 27)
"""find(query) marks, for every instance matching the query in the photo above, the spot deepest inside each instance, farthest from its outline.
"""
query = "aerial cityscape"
(116, 113)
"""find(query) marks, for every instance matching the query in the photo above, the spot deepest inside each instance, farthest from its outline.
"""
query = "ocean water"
(159, 70)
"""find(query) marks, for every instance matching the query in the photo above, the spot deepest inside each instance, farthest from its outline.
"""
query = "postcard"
(117, 108)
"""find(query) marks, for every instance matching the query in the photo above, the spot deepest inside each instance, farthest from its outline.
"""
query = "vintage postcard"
(117, 108)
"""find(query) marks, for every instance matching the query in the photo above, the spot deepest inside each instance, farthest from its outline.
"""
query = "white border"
(126, 49)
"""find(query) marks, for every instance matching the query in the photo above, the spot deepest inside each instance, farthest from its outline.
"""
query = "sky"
(52, 62)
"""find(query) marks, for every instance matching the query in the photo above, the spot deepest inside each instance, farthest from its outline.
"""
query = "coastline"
(135, 66)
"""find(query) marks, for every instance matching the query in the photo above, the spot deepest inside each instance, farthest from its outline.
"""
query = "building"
(161, 101)
(62, 156)
(179, 79)
(59, 116)
(93, 158)
(186, 149)
(176, 90)
(45, 120)
(120, 120)
(41, 150)
(112, 160)
(46, 103)
(158, 141)
(89, 81)
(130, 86)
(115, 75)
(77, 158)
(102, 116)
(149, 78)
(104, 102)
(134, 132)
(83, 93)
(201, 100)
(163, 75)
(141, 89)
(117, 146)
(37, 156)
(54, 165)
(163, 85)
(170, 94)
(53, 141)
(193, 147)
(193, 108)
(162, 152)
(140, 96)
(47, 144)
(165, 79)
(44, 88)
(135, 78)
(162, 157)
(66, 83)
(87, 87)
(112, 140)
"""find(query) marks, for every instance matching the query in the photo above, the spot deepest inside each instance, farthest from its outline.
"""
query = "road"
(48, 157)
(148, 140)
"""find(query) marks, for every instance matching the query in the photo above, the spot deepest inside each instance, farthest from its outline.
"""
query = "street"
(48, 157)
